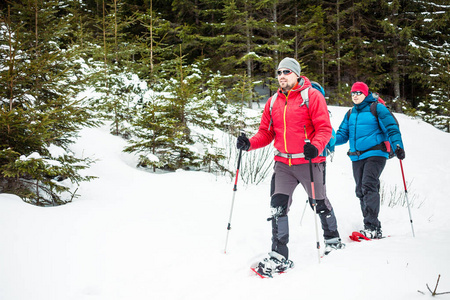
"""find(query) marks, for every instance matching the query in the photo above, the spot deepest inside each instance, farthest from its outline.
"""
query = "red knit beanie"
(360, 87)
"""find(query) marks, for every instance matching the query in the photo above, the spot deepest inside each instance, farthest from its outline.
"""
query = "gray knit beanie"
(291, 64)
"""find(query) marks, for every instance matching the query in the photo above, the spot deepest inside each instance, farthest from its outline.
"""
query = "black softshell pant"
(367, 178)
(284, 181)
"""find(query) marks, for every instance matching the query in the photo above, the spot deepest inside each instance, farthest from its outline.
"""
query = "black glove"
(310, 151)
(400, 153)
(243, 143)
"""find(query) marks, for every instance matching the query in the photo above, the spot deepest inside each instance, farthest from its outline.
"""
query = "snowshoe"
(333, 244)
(372, 234)
(359, 236)
(275, 263)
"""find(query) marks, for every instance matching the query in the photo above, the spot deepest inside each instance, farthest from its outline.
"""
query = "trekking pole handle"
(238, 166)
(306, 135)
(403, 173)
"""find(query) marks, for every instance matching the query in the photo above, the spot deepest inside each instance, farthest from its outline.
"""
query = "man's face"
(286, 81)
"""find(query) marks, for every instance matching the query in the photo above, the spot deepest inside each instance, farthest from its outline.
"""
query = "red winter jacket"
(289, 118)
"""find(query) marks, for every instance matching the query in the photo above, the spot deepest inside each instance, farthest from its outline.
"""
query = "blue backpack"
(329, 149)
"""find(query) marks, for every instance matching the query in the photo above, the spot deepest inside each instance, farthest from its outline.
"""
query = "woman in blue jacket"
(369, 149)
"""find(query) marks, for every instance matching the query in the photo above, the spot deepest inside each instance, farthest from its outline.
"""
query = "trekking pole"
(234, 195)
(314, 203)
(406, 196)
(301, 219)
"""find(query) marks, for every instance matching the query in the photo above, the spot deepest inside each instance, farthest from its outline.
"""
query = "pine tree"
(173, 120)
(152, 131)
(152, 44)
(430, 41)
(39, 111)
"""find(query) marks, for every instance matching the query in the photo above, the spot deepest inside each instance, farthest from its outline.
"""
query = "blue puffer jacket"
(364, 132)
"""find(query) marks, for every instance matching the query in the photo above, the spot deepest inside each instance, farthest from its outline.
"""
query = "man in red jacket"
(289, 122)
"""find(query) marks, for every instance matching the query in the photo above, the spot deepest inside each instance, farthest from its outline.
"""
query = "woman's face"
(358, 97)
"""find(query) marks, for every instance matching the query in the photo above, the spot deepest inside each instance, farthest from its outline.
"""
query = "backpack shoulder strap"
(374, 112)
(305, 96)
(373, 109)
(349, 113)
(272, 101)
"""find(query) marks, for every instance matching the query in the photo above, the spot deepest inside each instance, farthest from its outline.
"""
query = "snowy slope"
(138, 235)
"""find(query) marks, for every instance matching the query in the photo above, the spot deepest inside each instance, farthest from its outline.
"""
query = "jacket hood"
(366, 102)
(303, 83)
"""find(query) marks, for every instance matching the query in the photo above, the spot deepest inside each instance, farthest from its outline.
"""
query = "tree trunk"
(275, 34)
(104, 34)
(395, 66)
(249, 60)
(36, 41)
(396, 77)
(116, 46)
(338, 45)
(151, 37)
(11, 62)
(296, 33)
(323, 63)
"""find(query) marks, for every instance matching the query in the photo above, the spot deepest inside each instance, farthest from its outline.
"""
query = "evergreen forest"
(167, 73)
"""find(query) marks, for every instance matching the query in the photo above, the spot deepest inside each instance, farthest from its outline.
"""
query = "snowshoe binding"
(366, 234)
(333, 244)
(372, 234)
(274, 264)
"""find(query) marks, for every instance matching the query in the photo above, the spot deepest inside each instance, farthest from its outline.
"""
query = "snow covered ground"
(138, 235)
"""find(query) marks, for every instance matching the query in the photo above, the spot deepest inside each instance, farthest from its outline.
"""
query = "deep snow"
(139, 235)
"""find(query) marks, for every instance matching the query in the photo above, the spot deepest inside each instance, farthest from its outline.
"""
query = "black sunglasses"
(357, 93)
(285, 72)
